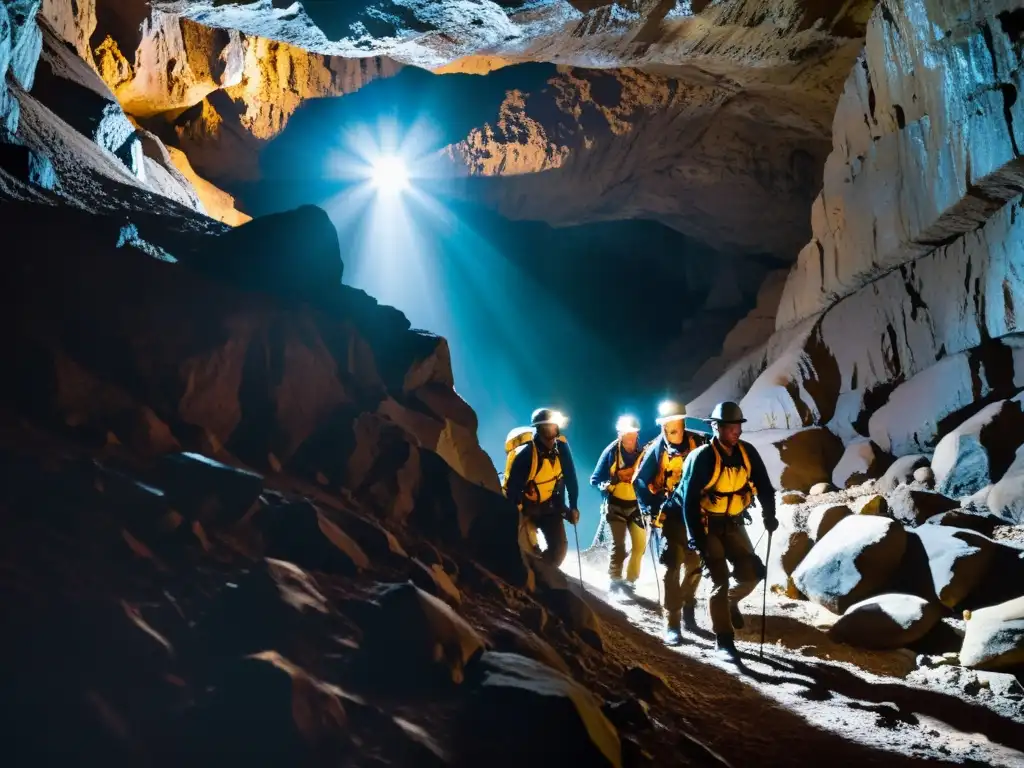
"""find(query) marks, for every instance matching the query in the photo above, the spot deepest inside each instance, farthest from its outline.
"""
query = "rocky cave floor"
(871, 698)
(287, 623)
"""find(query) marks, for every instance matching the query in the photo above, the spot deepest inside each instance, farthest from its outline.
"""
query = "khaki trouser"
(623, 517)
(549, 521)
(728, 543)
(682, 570)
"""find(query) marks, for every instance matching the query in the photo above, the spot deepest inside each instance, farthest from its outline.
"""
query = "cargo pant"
(727, 543)
(549, 520)
(682, 571)
(623, 517)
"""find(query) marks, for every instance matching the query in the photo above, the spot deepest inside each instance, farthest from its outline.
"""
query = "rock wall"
(933, 104)
(898, 321)
(224, 133)
(625, 143)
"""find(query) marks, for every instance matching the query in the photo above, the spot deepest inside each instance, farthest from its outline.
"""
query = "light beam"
(389, 174)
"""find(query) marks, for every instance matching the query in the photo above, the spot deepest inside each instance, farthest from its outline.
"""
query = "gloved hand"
(602, 487)
(573, 516)
(771, 524)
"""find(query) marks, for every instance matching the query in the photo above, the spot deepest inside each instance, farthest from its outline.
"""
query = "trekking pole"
(579, 557)
(654, 562)
(764, 599)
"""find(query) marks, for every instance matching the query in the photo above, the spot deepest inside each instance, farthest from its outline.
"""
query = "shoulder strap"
(746, 459)
(533, 461)
(718, 469)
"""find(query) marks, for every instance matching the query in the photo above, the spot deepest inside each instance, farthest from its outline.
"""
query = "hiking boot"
(673, 635)
(737, 617)
(725, 648)
(628, 588)
(616, 586)
(690, 618)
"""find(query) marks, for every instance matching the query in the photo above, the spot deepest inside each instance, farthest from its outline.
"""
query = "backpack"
(516, 439)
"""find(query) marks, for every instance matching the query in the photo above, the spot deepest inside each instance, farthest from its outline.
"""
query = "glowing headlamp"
(627, 424)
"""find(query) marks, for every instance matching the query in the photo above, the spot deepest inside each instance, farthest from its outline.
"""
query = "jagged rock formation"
(746, 86)
(218, 95)
(224, 133)
(433, 35)
(244, 512)
(625, 143)
(898, 321)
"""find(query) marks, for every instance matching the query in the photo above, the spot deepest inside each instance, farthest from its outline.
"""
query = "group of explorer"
(692, 496)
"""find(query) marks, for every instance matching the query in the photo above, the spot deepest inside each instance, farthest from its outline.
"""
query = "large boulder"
(207, 490)
(901, 472)
(824, 518)
(958, 560)
(958, 518)
(163, 176)
(852, 562)
(29, 165)
(980, 451)
(861, 461)
(995, 636)
(1006, 498)
(302, 533)
(73, 90)
(458, 446)
(262, 254)
(512, 639)
(912, 419)
(265, 705)
(526, 713)
(414, 634)
(886, 621)
(796, 460)
(913, 507)
(484, 524)
(26, 40)
(787, 554)
(445, 404)
(555, 590)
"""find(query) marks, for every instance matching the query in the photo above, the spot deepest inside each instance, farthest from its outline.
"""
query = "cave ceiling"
(712, 118)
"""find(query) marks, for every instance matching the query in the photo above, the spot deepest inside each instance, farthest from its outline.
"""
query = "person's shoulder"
(524, 448)
(701, 450)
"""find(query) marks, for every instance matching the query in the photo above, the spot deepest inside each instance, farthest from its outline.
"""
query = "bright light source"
(560, 419)
(389, 174)
(627, 424)
(667, 408)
